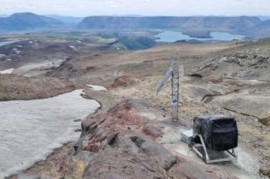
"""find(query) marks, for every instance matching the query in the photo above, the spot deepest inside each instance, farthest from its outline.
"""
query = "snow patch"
(31, 130)
(72, 47)
(7, 71)
(97, 88)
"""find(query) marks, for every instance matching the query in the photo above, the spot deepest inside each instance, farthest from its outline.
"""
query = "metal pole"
(175, 90)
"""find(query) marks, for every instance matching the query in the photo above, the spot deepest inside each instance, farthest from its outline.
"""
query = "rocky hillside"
(126, 139)
(14, 87)
(26, 22)
(250, 61)
(132, 135)
(136, 43)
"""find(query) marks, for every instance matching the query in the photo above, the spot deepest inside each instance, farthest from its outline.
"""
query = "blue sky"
(138, 7)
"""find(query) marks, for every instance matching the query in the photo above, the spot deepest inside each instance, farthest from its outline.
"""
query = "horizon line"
(131, 15)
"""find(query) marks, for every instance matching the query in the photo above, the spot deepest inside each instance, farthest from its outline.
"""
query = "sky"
(82, 8)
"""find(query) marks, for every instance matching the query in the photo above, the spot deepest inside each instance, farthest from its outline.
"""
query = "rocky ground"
(13, 87)
(132, 135)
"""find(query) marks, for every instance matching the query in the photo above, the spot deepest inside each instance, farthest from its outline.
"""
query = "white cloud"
(142, 7)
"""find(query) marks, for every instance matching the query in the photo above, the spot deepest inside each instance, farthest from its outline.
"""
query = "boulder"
(118, 164)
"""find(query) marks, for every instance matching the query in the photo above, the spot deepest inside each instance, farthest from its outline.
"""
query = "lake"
(172, 36)
(32, 129)
(6, 43)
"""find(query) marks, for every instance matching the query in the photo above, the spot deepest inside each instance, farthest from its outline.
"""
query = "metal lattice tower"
(175, 90)
(174, 72)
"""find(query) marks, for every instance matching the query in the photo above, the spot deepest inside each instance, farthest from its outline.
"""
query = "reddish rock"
(124, 147)
(122, 118)
(117, 164)
(152, 130)
(123, 81)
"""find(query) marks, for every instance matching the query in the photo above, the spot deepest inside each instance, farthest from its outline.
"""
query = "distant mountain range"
(211, 23)
(263, 18)
(26, 22)
(194, 26)
(197, 26)
(69, 20)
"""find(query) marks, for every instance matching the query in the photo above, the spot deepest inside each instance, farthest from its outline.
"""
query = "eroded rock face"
(247, 64)
(123, 118)
(123, 144)
(119, 164)
(130, 157)
(153, 149)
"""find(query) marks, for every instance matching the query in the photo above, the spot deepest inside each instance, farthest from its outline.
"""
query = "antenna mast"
(174, 71)
(175, 90)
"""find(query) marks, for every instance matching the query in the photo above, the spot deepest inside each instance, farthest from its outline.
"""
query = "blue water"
(172, 36)
(6, 43)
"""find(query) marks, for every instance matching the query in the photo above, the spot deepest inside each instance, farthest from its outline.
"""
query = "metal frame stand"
(207, 156)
